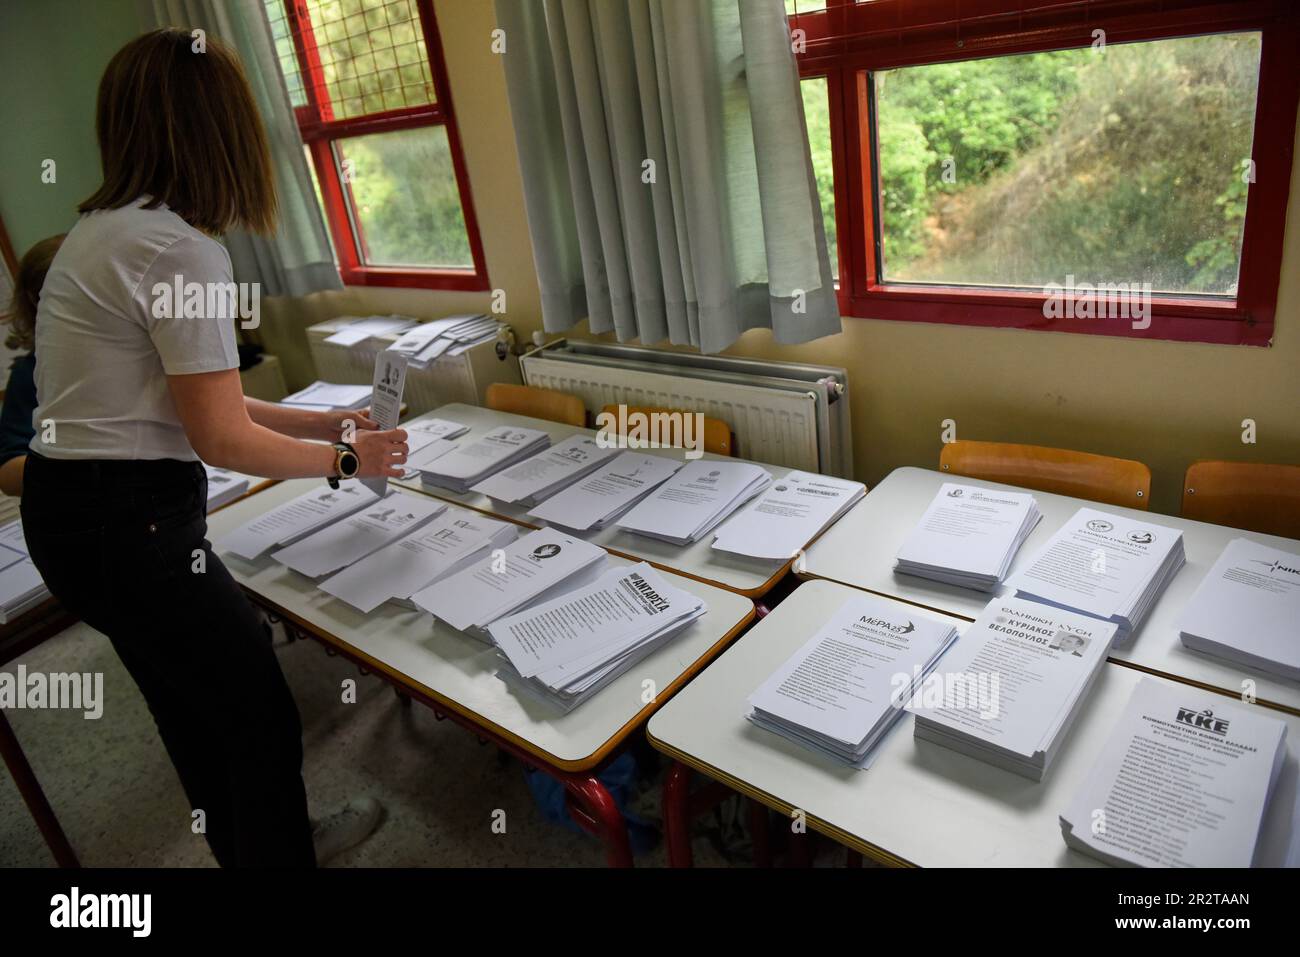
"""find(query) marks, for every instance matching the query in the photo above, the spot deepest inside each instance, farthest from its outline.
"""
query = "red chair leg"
(677, 815)
(30, 788)
(759, 834)
(602, 816)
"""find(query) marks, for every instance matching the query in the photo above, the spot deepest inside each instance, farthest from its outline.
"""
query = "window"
(1115, 166)
(367, 83)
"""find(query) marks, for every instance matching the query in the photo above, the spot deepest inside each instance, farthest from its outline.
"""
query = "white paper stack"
(21, 586)
(1184, 780)
(355, 536)
(224, 486)
(538, 478)
(426, 342)
(470, 462)
(1247, 609)
(428, 439)
(1108, 566)
(356, 329)
(692, 503)
(565, 650)
(295, 519)
(451, 541)
(788, 516)
(1009, 690)
(846, 687)
(534, 568)
(329, 397)
(606, 494)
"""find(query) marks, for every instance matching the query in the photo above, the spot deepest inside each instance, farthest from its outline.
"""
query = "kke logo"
(1100, 525)
(1203, 720)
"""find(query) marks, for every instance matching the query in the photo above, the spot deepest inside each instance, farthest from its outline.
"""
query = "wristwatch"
(346, 463)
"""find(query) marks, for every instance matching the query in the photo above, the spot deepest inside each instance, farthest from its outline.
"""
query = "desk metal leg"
(34, 797)
(759, 834)
(594, 808)
(677, 815)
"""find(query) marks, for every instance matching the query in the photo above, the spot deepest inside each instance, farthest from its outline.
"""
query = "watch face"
(349, 464)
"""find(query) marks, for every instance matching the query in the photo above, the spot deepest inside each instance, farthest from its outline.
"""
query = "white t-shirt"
(102, 353)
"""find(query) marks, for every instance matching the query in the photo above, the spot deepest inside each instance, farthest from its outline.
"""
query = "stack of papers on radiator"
(1108, 566)
(224, 486)
(356, 329)
(846, 687)
(470, 462)
(565, 650)
(1010, 689)
(329, 397)
(1184, 780)
(968, 536)
(788, 516)
(355, 536)
(454, 539)
(538, 478)
(1247, 609)
(21, 586)
(428, 341)
(691, 503)
(295, 519)
(606, 494)
(428, 439)
(534, 568)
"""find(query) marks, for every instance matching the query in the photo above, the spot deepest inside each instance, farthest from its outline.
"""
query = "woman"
(130, 400)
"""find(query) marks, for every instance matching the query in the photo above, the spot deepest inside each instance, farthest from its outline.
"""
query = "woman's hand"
(382, 454)
(341, 426)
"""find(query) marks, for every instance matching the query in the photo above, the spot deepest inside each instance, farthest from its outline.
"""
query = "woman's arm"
(306, 423)
(216, 420)
(11, 475)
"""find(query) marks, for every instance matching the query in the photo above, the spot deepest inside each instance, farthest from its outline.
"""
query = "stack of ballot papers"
(1247, 609)
(1184, 780)
(1108, 566)
(1010, 689)
(426, 342)
(788, 516)
(224, 486)
(329, 397)
(21, 586)
(846, 687)
(534, 568)
(355, 536)
(565, 650)
(968, 536)
(690, 504)
(470, 462)
(427, 439)
(355, 329)
(536, 479)
(295, 519)
(451, 541)
(606, 494)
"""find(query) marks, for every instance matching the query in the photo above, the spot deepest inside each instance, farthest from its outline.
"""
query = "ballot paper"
(537, 478)
(1184, 780)
(427, 439)
(12, 537)
(224, 486)
(604, 495)
(1010, 688)
(386, 402)
(843, 690)
(453, 539)
(329, 396)
(21, 589)
(533, 568)
(1247, 609)
(295, 519)
(787, 516)
(563, 650)
(359, 330)
(968, 536)
(690, 504)
(1105, 565)
(355, 536)
(470, 462)
(426, 342)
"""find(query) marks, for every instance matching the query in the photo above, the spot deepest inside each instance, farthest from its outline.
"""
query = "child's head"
(27, 292)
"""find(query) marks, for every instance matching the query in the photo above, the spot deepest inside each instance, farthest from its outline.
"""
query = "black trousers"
(121, 544)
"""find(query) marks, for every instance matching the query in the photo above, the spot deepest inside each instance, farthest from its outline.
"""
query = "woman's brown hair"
(27, 292)
(176, 122)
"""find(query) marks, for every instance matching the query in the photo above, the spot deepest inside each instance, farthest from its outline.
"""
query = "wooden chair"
(1260, 498)
(717, 434)
(1098, 478)
(538, 403)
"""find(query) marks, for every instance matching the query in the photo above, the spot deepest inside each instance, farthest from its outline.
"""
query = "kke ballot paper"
(607, 493)
(693, 501)
(295, 519)
(537, 478)
(786, 517)
(357, 535)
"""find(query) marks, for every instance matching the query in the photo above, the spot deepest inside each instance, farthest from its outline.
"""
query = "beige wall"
(1164, 403)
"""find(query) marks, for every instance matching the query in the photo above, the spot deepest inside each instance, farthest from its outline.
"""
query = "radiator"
(782, 413)
(463, 378)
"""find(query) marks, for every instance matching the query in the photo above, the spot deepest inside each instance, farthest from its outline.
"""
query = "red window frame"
(320, 131)
(847, 40)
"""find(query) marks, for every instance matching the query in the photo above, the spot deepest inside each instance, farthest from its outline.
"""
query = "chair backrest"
(1261, 498)
(538, 403)
(1098, 478)
(717, 434)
